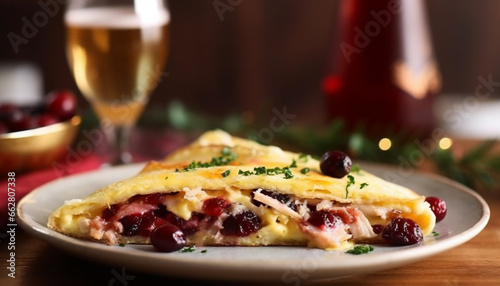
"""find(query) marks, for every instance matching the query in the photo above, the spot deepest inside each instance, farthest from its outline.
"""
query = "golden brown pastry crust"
(310, 186)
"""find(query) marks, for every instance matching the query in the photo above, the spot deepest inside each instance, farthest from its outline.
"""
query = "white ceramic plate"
(467, 215)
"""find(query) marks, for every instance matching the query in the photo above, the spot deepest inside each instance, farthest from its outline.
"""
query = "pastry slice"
(223, 190)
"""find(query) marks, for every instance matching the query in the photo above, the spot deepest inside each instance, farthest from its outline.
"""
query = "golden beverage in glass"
(117, 55)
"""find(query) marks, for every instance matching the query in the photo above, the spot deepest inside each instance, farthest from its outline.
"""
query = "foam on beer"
(117, 17)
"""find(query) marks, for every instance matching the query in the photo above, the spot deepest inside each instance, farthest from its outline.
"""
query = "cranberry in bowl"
(33, 137)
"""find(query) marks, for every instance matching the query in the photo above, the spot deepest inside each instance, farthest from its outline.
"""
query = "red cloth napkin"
(25, 183)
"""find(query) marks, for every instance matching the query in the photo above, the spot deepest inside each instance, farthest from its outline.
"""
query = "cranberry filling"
(138, 224)
(241, 224)
(312, 208)
(161, 211)
(144, 224)
(188, 227)
(215, 206)
(149, 223)
(131, 224)
(110, 212)
(325, 219)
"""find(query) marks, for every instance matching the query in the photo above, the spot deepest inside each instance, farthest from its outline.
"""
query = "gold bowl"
(36, 148)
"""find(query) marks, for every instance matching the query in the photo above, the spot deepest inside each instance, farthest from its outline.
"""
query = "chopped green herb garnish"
(193, 165)
(204, 251)
(260, 170)
(305, 170)
(226, 157)
(273, 171)
(270, 172)
(355, 169)
(166, 177)
(226, 173)
(363, 185)
(349, 183)
(245, 173)
(190, 248)
(435, 233)
(304, 158)
(122, 244)
(360, 249)
(294, 164)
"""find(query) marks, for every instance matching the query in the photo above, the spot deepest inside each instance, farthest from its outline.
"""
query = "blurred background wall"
(263, 54)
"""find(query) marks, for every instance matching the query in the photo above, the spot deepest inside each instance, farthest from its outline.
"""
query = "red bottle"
(384, 76)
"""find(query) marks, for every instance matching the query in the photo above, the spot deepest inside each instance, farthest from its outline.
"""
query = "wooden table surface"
(477, 262)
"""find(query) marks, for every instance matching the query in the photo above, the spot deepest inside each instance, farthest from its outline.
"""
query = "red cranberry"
(45, 120)
(131, 224)
(137, 224)
(110, 211)
(193, 224)
(161, 212)
(402, 231)
(149, 222)
(187, 226)
(215, 206)
(174, 220)
(324, 219)
(61, 104)
(7, 110)
(311, 208)
(20, 121)
(335, 164)
(377, 228)
(438, 207)
(241, 224)
(168, 238)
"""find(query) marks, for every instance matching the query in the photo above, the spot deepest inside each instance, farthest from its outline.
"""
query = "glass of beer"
(117, 50)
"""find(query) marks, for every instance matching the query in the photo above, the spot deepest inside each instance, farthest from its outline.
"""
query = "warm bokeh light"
(445, 143)
(385, 144)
